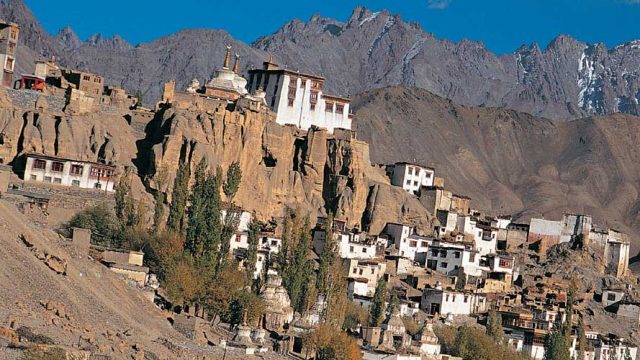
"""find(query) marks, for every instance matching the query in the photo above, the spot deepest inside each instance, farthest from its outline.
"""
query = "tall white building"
(298, 99)
(411, 176)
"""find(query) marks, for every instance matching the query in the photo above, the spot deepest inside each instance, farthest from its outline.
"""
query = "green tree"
(159, 198)
(494, 326)
(179, 198)
(232, 183)
(556, 346)
(298, 271)
(582, 340)
(248, 302)
(571, 295)
(377, 307)
(394, 303)
(197, 228)
(252, 250)
(327, 257)
(102, 223)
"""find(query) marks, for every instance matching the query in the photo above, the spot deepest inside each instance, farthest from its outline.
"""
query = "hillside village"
(411, 275)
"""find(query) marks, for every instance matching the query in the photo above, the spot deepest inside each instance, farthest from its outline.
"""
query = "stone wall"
(26, 99)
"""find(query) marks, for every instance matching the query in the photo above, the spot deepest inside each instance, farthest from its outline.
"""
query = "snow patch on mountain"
(370, 18)
(414, 51)
(385, 29)
(586, 81)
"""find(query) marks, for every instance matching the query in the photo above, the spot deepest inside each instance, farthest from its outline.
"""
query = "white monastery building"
(298, 99)
(68, 172)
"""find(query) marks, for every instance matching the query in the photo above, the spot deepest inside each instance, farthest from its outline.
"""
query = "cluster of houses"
(466, 265)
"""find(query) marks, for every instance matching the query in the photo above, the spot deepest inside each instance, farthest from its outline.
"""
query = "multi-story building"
(408, 244)
(298, 98)
(411, 177)
(8, 46)
(92, 85)
(68, 172)
(452, 302)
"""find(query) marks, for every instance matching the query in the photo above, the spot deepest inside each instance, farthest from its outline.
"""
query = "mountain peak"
(69, 38)
(563, 41)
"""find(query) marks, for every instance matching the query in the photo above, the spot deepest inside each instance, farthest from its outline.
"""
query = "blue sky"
(502, 25)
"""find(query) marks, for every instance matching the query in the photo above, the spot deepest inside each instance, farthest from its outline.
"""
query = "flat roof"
(50, 157)
(336, 97)
(288, 72)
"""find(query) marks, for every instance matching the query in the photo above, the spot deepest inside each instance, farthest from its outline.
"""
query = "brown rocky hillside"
(511, 162)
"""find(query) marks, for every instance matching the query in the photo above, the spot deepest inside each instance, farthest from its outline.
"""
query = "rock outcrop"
(282, 166)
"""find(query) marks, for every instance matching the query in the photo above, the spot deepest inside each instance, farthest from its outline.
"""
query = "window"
(339, 108)
(96, 79)
(424, 244)
(14, 33)
(47, 178)
(86, 77)
(364, 250)
(57, 180)
(314, 97)
(447, 298)
(274, 242)
(290, 102)
(312, 107)
(611, 297)
(101, 172)
(373, 271)
(351, 249)
(444, 264)
(33, 177)
(355, 270)
(77, 169)
(75, 183)
(259, 258)
(456, 254)
(12, 48)
(97, 186)
(39, 164)
(57, 166)
(443, 253)
(434, 252)
(466, 298)
(413, 243)
(9, 64)
(360, 271)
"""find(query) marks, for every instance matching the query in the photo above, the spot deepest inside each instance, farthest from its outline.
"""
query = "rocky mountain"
(567, 79)
(510, 162)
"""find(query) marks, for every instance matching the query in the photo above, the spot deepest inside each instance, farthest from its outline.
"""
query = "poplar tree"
(159, 198)
(327, 258)
(582, 340)
(556, 345)
(232, 182)
(197, 231)
(179, 198)
(494, 326)
(299, 270)
(377, 307)
(252, 250)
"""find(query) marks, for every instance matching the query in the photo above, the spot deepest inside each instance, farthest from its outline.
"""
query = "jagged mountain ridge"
(568, 79)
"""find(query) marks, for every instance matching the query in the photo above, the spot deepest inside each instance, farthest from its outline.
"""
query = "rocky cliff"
(565, 80)
(282, 166)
